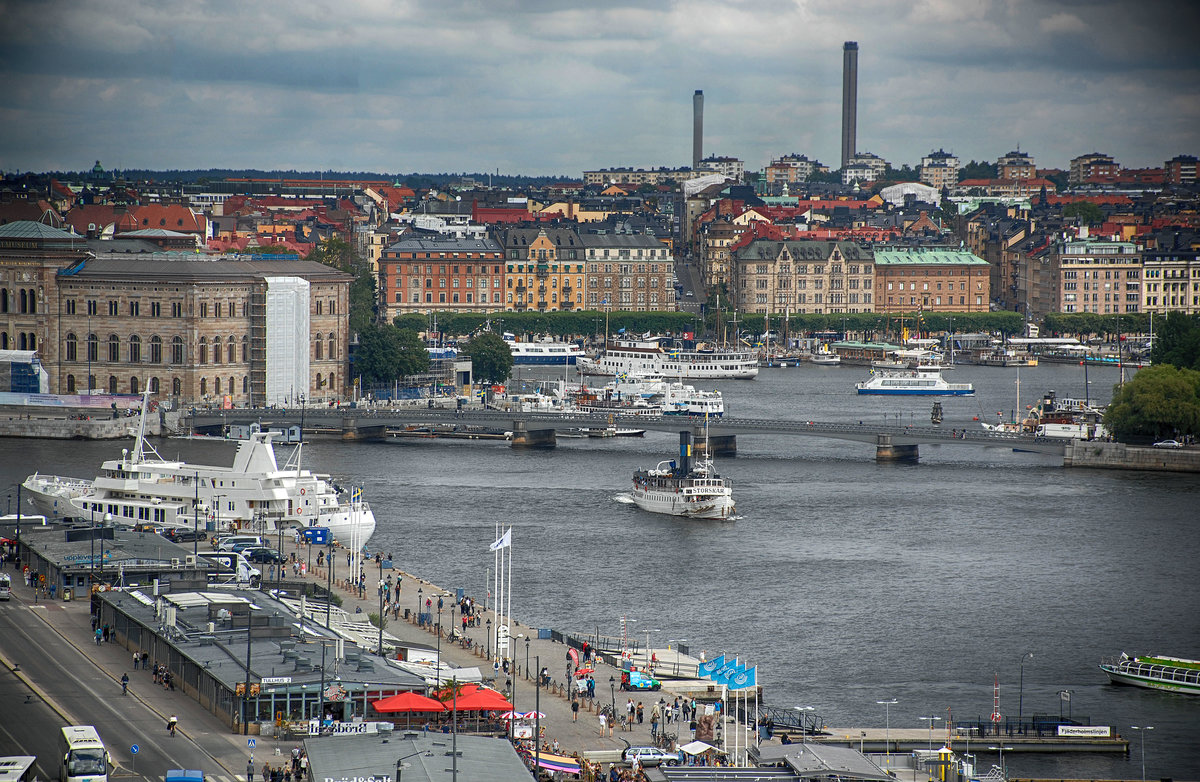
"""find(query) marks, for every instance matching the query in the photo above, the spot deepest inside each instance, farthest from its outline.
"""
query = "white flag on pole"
(504, 541)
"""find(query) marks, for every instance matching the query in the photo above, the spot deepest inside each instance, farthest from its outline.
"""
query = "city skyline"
(556, 88)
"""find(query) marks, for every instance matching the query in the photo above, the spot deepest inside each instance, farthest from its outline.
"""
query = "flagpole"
(508, 593)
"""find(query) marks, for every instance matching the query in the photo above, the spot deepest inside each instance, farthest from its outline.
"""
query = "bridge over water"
(537, 429)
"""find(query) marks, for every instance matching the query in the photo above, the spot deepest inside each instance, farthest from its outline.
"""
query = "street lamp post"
(803, 727)
(1021, 693)
(612, 686)
(439, 643)
(401, 765)
(887, 725)
(1142, 730)
(489, 637)
(677, 642)
(527, 658)
(1001, 750)
(381, 610)
(931, 720)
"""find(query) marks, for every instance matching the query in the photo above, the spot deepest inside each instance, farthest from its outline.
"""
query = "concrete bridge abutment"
(714, 444)
(886, 451)
(524, 437)
(354, 429)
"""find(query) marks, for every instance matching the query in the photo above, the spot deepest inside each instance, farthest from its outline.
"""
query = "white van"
(5, 586)
(244, 541)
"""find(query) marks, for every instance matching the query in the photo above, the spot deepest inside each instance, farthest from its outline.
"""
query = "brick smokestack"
(697, 129)
(849, 101)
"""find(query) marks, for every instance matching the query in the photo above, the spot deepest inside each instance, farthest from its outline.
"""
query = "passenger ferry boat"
(1173, 674)
(545, 353)
(649, 357)
(922, 381)
(254, 494)
(684, 488)
(672, 397)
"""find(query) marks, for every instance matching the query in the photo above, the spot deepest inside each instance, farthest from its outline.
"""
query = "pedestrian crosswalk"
(162, 777)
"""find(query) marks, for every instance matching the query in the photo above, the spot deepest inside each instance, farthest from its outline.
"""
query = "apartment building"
(543, 269)
(1016, 165)
(800, 276)
(939, 169)
(629, 272)
(931, 279)
(1100, 276)
(1093, 164)
(1171, 281)
(422, 272)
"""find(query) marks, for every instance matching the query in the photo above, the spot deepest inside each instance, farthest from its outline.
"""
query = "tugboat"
(684, 488)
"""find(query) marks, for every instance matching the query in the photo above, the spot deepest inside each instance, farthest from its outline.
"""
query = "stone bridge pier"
(886, 451)
(362, 429)
(524, 437)
(713, 444)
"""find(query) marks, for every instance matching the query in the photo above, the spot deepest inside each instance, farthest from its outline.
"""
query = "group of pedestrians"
(295, 769)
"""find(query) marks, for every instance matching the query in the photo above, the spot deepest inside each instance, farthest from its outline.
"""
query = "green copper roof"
(28, 229)
(926, 256)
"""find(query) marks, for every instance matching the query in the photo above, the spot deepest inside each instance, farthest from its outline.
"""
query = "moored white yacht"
(254, 494)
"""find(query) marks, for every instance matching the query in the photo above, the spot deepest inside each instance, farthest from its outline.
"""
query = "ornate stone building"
(192, 328)
(771, 276)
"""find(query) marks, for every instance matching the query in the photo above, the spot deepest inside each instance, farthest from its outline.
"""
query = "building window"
(176, 386)
(202, 351)
(177, 351)
(231, 351)
(317, 349)
(331, 346)
(72, 347)
(114, 349)
(93, 348)
(135, 350)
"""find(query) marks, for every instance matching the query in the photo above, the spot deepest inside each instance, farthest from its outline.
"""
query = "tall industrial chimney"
(849, 101)
(697, 129)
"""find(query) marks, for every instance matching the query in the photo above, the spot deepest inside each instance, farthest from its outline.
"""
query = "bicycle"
(172, 724)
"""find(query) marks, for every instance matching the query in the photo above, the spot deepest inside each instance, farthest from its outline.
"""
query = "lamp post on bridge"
(1142, 730)
(887, 723)
(931, 720)
(1021, 693)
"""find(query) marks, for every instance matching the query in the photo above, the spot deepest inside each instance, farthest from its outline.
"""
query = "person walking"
(574, 710)
(603, 723)
(250, 770)
(124, 684)
(136, 659)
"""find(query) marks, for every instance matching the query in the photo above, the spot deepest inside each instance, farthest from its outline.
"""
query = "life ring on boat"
(299, 511)
(302, 492)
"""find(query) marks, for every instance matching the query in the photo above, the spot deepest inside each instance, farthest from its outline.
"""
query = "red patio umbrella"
(407, 702)
(481, 699)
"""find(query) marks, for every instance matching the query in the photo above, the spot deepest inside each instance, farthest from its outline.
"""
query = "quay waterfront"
(850, 581)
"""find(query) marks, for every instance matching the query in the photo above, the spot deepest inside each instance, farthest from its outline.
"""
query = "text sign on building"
(1085, 731)
(277, 680)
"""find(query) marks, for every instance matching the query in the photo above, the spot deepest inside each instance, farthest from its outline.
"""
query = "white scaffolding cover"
(288, 335)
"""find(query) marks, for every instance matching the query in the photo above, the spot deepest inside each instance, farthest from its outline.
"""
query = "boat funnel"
(685, 453)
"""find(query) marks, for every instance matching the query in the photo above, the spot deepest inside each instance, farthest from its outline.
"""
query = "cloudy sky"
(556, 87)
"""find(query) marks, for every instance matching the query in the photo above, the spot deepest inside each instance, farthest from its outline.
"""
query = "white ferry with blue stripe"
(922, 381)
(548, 353)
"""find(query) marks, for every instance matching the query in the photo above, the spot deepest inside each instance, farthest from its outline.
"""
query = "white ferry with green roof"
(1173, 674)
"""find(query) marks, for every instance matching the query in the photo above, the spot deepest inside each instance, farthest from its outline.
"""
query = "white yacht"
(649, 356)
(671, 396)
(52, 494)
(254, 494)
(542, 353)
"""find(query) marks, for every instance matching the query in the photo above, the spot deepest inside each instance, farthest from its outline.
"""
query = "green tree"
(1161, 401)
(386, 353)
(491, 360)
(1088, 212)
(980, 170)
(1177, 341)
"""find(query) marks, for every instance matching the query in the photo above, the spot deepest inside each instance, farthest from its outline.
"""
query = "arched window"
(202, 351)
(203, 386)
(176, 386)
(112, 384)
(4, 340)
(332, 346)
(245, 350)
(332, 383)
(93, 348)
(245, 384)
(217, 386)
(114, 349)
(231, 352)
(24, 301)
(317, 348)
(91, 383)
(177, 350)
(232, 388)
(154, 385)
(3, 299)
(320, 382)
(33, 302)
(21, 342)
(32, 341)
(156, 350)
(70, 384)
(216, 345)
(133, 386)
(72, 348)
(135, 350)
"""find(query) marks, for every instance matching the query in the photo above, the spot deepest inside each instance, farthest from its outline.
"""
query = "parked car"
(184, 535)
(1168, 444)
(262, 555)
(650, 756)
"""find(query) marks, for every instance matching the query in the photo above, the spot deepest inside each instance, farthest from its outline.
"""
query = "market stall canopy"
(407, 702)
(559, 763)
(697, 748)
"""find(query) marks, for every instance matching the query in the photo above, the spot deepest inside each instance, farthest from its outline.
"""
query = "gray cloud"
(557, 87)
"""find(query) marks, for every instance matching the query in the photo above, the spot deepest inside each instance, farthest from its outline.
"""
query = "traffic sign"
(250, 743)
(135, 749)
